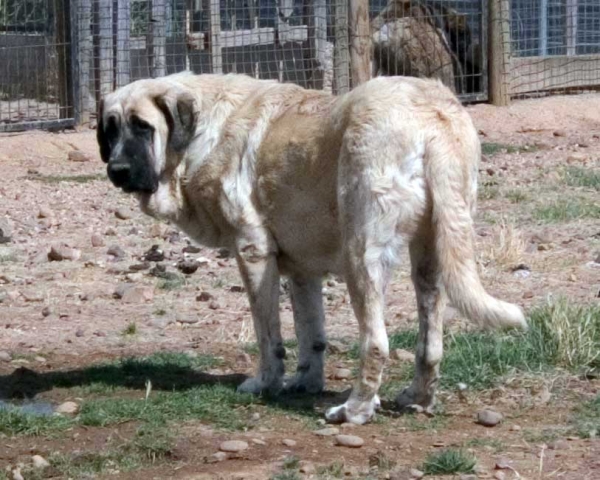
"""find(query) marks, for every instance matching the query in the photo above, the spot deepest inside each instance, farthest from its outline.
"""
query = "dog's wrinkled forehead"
(139, 102)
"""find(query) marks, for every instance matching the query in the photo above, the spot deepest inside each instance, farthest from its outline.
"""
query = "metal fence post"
(499, 52)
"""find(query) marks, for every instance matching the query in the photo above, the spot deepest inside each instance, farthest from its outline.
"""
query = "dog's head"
(143, 130)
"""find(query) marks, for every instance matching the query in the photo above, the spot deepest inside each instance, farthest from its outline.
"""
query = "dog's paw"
(302, 383)
(353, 411)
(258, 386)
(408, 401)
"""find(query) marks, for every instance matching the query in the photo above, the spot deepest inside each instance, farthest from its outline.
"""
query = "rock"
(5, 231)
(139, 294)
(39, 462)
(3, 296)
(307, 468)
(121, 289)
(117, 252)
(342, 374)
(327, 432)
(191, 249)
(138, 267)
(80, 332)
(350, 441)
(402, 355)
(223, 253)
(204, 297)
(97, 240)
(289, 442)
(122, 213)
(217, 457)
(258, 441)
(559, 445)
(559, 133)
(110, 232)
(489, 418)
(500, 476)
(33, 296)
(45, 212)
(515, 428)
(67, 408)
(237, 289)
(77, 156)
(157, 230)
(134, 277)
(46, 311)
(16, 474)
(577, 158)
(58, 253)
(187, 319)
(5, 356)
(233, 446)
(468, 476)
(414, 473)
(187, 267)
(155, 254)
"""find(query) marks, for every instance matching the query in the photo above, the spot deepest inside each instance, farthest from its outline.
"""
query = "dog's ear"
(181, 116)
(101, 136)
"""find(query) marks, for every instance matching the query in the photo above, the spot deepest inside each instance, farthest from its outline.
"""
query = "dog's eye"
(140, 125)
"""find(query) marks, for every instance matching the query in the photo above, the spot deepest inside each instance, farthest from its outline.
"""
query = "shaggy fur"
(302, 184)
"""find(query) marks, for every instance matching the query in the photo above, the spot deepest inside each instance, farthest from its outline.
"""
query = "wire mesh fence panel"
(442, 39)
(554, 46)
(287, 40)
(35, 81)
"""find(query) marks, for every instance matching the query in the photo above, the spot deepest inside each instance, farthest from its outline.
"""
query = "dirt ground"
(63, 315)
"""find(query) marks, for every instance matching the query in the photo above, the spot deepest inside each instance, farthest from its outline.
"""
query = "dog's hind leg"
(309, 319)
(258, 267)
(431, 301)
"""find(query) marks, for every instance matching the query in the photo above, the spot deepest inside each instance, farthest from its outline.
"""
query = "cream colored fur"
(302, 184)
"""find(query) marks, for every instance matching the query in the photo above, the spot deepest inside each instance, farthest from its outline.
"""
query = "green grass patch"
(488, 191)
(492, 443)
(252, 348)
(565, 210)
(582, 177)
(333, 470)
(490, 148)
(15, 422)
(130, 329)
(55, 179)
(560, 334)
(174, 283)
(587, 419)
(448, 462)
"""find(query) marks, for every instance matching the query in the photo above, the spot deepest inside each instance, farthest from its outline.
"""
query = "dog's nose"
(119, 173)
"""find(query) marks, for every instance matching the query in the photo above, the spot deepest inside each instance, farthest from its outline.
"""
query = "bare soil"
(62, 315)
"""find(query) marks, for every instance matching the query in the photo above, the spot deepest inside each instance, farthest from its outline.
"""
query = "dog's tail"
(451, 164)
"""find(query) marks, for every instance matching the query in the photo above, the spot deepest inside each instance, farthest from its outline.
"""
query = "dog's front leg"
(258, 267)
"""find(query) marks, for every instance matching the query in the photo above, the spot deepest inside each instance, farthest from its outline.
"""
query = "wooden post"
(571, 34)
(63, 41)
(215, 36)
(360, 42)
(105, 35)
(341, 59)
(123, 46)
(499, 52)
(85, 54)
(159, 38)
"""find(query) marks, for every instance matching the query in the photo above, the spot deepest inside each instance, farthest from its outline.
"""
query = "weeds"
(587, 419)
(15, 422)
(490, 148)
(516, 196)
(582, 177)
(130, 329)
(567, 209)
(171, 283)
(54, 179)
(448, 462)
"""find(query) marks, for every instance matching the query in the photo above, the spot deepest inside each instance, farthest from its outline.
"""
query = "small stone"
(187, 267)
(3, 296)
(117, 252)
(122, 213)
(67, 408)
(351, 441)
(40, 359)
(121, 289)
(80, 332)
(233, 446)
(500, 476)
(307, 468)
(58, 253)
(327, 432)
(110, 232)
(543, 247)
(217, 457)
(223, 253)
(39, 462)
(155, 254)
(97, 240)
(342, 374)
(577, 158)
(559, 133)
(258, 441)
(45, 212)
(468, 476)
(16, 474)
(559, 445)
(32, 296)
(77, 156)
(5, 356)
(503, 464)
(337, 347)
(134, 277)
(187, 319)
(289, 442)
(204, 297)
(515, 428)
(489, 418)
(138, 267)
(237, 289)
(214, 305)
(191, 249)
(402, 355)
(157, 230)
(414, 473)
(138, 294)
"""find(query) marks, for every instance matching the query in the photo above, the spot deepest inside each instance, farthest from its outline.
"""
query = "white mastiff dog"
(300, 183)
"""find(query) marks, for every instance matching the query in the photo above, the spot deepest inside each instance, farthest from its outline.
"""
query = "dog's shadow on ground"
(25, 384)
